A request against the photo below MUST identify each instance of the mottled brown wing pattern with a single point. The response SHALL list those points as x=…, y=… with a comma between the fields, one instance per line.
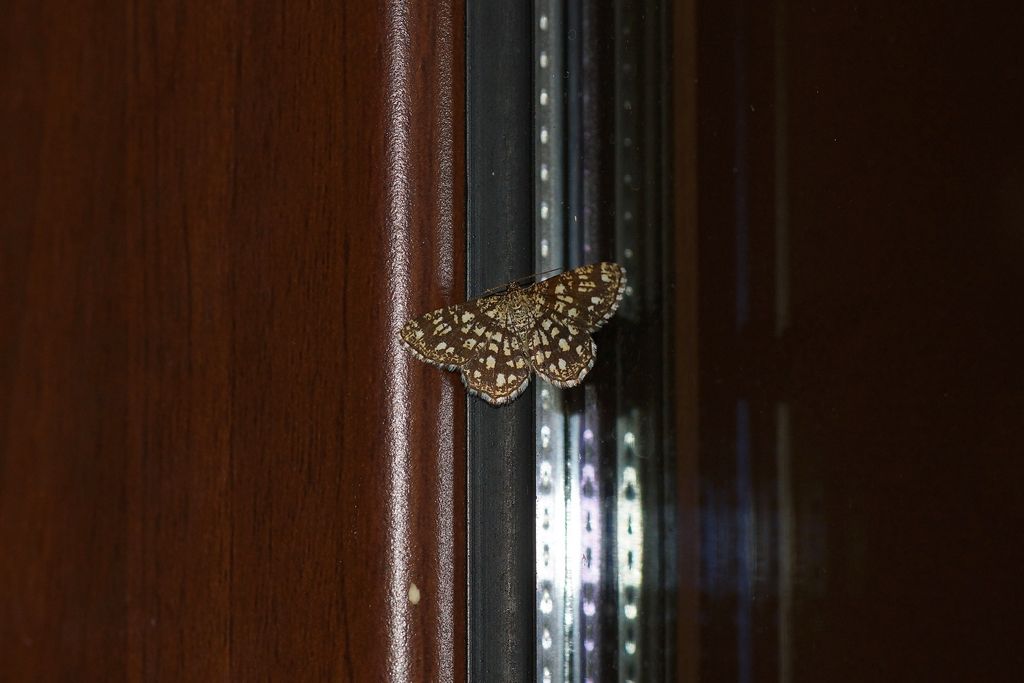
x=499, y=374
x=555, y=324
x=587, y=296
x=444, y=337
x=561, y=352
x=567, y=308
x=474, y=338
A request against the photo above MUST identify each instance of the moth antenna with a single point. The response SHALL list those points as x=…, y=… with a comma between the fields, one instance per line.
x=518, y=280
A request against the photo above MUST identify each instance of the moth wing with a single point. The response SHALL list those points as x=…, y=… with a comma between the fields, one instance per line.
x=474, y=338
x=587, y=296
x=560, y=351
x=443, y=337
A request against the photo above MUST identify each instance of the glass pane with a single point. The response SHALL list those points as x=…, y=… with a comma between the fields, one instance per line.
x=604, y=460
x=821, y=205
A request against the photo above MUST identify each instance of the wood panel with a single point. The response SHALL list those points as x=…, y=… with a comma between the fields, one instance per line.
x=215, y=462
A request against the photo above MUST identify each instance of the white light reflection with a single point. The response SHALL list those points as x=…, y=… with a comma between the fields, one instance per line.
x=629, y=537
x=554, y=606
x=629, y=524
x=398, y=197
x=587, y=498
x=551, y=536
x=591, y=557
x=574, y=548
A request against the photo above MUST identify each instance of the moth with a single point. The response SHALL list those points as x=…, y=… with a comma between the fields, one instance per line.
x=497, y=342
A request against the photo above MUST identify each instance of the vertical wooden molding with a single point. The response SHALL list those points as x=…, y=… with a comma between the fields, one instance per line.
x=424, y=458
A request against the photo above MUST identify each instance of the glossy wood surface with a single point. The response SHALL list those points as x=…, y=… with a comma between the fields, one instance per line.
x=215, y=462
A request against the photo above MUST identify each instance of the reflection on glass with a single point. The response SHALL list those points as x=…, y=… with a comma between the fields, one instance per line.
x=628, y=183
x=551, y=539
x=591, y=551
x=603, y=464
x=554, y=602
x=629, y=537
x=786, y=547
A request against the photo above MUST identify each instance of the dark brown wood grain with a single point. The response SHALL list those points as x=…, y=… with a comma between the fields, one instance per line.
x=215, y=463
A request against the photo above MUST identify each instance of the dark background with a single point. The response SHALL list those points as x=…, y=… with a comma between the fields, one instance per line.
x=874, y=152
